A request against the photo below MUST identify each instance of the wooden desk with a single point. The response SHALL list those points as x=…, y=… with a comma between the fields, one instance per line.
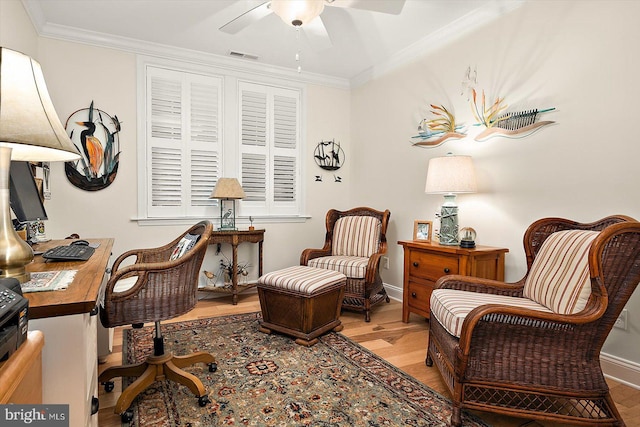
x=21, y=374
x=424, y=263
x=67, y=319
x=234, y=238
x=82, y=294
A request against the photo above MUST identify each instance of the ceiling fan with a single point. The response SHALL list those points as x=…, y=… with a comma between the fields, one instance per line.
x=302, y=14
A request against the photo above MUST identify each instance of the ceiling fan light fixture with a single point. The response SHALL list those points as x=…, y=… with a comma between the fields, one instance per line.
x=297, y=12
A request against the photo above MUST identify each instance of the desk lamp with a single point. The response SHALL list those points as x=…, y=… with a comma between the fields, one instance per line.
x=450, y=175
x=227, y=190
x=29, y=130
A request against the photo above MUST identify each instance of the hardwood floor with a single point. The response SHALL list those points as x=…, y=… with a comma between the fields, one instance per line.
x=401, y=344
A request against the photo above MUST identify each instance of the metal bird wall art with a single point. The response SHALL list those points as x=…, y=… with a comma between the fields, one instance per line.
x=329, y=155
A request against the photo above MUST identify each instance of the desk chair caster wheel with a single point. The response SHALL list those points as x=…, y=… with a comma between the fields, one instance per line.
x=108, y=386
x=126, y=416
x=203, y=401
x=213, y=367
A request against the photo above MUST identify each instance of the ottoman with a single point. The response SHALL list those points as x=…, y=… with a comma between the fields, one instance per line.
x=301, y=301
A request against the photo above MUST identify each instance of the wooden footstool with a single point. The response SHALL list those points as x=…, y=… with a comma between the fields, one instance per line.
x=301, y=301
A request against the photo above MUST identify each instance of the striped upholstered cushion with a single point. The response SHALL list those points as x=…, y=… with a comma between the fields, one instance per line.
x=351, y=266
x=450, y=306
x=356, y=236
x=559, y=277
x=302, y=279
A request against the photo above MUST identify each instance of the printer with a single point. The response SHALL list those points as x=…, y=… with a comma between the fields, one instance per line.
x=13, y=317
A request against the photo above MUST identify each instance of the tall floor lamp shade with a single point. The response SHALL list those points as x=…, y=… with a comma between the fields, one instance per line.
x=449, y=176
x=29, y=130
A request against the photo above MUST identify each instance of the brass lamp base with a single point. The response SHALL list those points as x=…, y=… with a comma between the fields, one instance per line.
x=15, y=253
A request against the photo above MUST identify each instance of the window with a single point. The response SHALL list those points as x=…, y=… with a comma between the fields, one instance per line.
x=183, y=147
x=269, y=149
x=202, y=124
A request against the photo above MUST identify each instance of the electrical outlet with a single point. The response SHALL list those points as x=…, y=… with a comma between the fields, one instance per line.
x=621, y=321
x=385, y=262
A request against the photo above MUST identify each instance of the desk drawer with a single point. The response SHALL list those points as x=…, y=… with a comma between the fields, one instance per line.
x=431, y=266
x=419, y=296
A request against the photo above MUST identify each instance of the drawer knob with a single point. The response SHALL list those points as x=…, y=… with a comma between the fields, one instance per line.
x=415, y=264
x=446, y=271
x=413, y=294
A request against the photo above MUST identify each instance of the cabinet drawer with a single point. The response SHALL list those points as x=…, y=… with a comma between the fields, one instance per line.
x=419, y=295
x=431, y=266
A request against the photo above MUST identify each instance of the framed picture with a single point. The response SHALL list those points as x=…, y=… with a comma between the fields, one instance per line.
x=422, y=230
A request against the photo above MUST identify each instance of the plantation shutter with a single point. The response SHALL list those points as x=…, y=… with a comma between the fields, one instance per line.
x=285, y=140
x=270, y=145
x=253, y=136
x=183, y=142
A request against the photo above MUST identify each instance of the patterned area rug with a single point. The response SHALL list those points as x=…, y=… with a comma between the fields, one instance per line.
x=268, y=380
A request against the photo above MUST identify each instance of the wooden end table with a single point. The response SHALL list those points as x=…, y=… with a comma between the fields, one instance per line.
x=234, y=238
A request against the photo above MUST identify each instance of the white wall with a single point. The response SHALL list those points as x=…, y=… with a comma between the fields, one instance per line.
x=16, y=31
x=580, y=57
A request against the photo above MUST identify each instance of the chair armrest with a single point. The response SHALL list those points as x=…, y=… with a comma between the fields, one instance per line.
x=309, y=254
x=140, y=268
x=147, y=255
x=475, y=284
x=501, y=319
x=123, y=257
x=373, y=268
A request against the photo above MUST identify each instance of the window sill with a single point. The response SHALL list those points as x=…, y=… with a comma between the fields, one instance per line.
x=242, y=222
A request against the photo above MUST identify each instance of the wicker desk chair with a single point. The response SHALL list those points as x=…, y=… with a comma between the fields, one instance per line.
x=523, y=358
x=354, y=244
x=160, y=285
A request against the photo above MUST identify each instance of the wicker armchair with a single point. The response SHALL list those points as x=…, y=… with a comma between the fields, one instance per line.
x=354, y=244
x=533, y=362
x=161, y=284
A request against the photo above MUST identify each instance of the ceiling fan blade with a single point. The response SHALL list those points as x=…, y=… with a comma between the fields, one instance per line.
x=246, y=19
x=317, y=34
x=393, y=7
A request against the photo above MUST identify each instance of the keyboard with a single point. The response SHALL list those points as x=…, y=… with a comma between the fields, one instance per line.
x=69, y=253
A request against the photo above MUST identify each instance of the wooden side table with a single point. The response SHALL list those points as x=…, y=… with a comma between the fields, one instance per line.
x=234, y=238
x=424, y=263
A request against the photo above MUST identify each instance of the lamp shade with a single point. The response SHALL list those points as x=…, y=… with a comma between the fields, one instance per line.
x=227, y=188
x=297, y=12
x=451, y=174
x=29, y=124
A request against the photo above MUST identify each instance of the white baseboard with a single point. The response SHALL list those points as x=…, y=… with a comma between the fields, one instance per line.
x=621, y=370
x=394, y=292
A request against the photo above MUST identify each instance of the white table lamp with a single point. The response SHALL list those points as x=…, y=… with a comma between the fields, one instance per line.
x=449, y=176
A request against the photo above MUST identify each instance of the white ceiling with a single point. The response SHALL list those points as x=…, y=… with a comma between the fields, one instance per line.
x=361, y=40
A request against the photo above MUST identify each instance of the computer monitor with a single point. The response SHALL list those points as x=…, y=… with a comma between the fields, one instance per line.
x=24, y=195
